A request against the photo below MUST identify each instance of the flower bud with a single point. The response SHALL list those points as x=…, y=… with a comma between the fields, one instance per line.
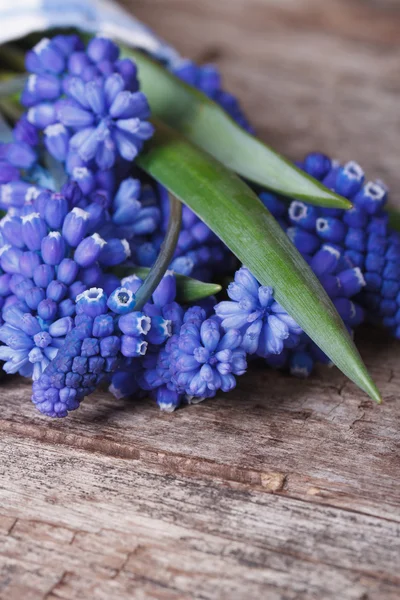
x=43, y=275
x=55, y=210
x=53, y=248
x=67, y=271
x=47, y=309
x=114, y=252
x=89, y=250
x=34, y=229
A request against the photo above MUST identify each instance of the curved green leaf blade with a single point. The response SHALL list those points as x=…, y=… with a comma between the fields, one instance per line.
x=205, y=124
x=230, y=208
x=188, y=290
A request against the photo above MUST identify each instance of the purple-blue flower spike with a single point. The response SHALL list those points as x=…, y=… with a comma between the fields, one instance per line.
x=87, y=103
x=361, y=234
x=90, y=354
x=265, y=326
x=165, y=317
x=205, y=359
x=48, y=257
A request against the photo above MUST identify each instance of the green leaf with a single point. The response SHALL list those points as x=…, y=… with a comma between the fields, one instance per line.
x=188, y=290
x=394, y=218
x=232, y=210
x=205, y=124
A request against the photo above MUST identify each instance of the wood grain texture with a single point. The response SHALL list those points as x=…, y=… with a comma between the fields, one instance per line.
x=282, y=489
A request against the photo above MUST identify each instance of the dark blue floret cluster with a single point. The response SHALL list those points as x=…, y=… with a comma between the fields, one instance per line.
x=104, y=332
x=362, y=235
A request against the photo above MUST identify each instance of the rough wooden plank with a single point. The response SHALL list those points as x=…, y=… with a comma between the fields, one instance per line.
x=167, y=532
x=319, y=440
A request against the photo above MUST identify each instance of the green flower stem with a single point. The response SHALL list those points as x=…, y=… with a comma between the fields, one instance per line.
x=164, y=258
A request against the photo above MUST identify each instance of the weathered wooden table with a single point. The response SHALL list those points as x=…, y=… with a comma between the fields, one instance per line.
x=283, y=489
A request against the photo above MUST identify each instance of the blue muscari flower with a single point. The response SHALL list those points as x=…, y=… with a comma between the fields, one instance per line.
x=265, y=326
x=91, y=353
x=164, y=317
x=207, y=79
x=29, y=342
x=16, y=158
x=88, y=103
x=133, y=210
x=49, y=256
x=362, y=234
x=204, y=358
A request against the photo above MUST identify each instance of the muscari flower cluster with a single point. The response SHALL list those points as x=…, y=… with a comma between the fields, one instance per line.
x=362, y=234
x=86, y=105
x=71, y=325
x=86, y=101
x=104, y=332
x=51, y=254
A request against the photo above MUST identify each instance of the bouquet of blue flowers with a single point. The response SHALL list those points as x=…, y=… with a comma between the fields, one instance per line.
x=132, y=186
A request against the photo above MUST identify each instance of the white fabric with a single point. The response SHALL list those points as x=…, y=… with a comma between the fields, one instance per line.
x=21, y=17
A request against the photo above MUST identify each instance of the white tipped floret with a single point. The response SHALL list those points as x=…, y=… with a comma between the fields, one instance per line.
x=6, y=193
x=334, y=251
x=298, y=371
x=42, y=45
x=166, y=328
x=98, y=240
x=55, y=234
x=142, y=348
x=194, y=399
x=353, y=170
x=91, y=295
x=375, y=190
x=130, y=279
x=79, y=212
x=32, y=81
x=30, y=217
x=6, y=219
x=31, y=194
x=359, y=275
x=126, y=247
x=55, y=129
x=321, y=225
x=167, y=407
x=144, y=325
x=4, y=248
x=116, y=392
x=297, y=210
x=80, y=173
